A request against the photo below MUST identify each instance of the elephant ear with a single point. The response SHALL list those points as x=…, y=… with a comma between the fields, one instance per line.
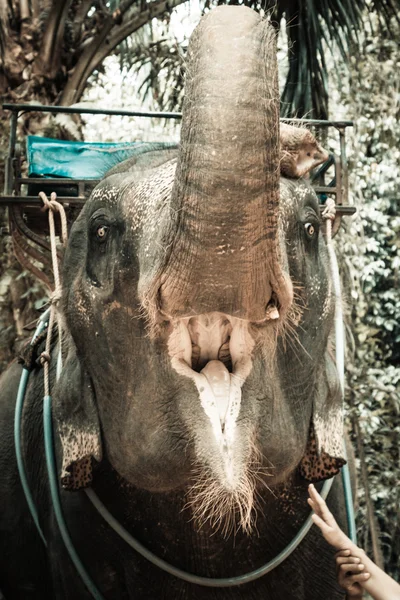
x=324, y=454
x=78, y=424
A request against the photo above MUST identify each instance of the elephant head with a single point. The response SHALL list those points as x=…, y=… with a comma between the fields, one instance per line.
x=198, y=303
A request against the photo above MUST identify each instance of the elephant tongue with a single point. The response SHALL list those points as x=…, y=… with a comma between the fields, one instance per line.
x=220, y=392
x=220, y=395
x=219, y=379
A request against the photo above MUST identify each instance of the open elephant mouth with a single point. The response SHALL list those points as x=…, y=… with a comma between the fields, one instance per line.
x=214, y=337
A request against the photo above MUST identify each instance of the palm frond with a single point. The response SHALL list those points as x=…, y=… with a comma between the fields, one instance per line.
x=313, y=27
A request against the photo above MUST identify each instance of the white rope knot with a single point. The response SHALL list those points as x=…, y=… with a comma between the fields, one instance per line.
x=44, y=358
x=55, y=207
x=49, y=204
x=329, y=211
x=56, y=296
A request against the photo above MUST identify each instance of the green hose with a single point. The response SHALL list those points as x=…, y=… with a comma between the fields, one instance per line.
x=52, y=474
x=17, y=430
x=196, y=579
x=18, y=451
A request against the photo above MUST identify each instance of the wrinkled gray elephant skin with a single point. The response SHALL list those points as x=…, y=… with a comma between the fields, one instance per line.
x=198, y=394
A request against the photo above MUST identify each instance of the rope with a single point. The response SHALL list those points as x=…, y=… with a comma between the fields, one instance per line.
x=56, y=207
x=328, y=215
x=52, y=206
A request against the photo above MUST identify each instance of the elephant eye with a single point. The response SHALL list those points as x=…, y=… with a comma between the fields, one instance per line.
x=310, y=230
x=101, y=232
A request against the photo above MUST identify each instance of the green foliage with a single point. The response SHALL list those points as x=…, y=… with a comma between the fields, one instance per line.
x=159, y=63
x=370, y=257
x=310, y=23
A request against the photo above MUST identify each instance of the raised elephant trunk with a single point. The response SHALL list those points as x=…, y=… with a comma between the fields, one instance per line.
x=225, y=256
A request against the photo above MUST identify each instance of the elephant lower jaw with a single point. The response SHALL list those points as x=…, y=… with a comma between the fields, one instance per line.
x=214, y=351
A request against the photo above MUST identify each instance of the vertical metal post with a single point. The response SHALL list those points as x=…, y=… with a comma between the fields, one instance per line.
x=348, y=496
x=343, y=160
x=8, y=178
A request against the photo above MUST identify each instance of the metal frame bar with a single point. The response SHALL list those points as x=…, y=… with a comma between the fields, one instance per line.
x=344, y=165
x=16, y=108
x=59, y=182
x=56, y=180
x=8, y=179
x=36, y=201
x=80, y=201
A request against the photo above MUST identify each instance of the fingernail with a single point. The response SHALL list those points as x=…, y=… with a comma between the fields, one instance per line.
x=361, y=567
x=366, y=575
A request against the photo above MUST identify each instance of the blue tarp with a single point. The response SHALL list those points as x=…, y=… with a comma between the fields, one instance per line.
x=80, y=160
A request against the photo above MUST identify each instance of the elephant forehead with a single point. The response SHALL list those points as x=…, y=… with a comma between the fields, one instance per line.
x=106, y=192
x=142, y=201
x=294, y=195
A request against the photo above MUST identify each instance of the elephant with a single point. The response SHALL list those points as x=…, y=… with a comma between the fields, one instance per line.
x=198, y=396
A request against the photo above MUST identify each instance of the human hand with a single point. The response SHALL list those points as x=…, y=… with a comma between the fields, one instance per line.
x=351, y=574
x=325, y=520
